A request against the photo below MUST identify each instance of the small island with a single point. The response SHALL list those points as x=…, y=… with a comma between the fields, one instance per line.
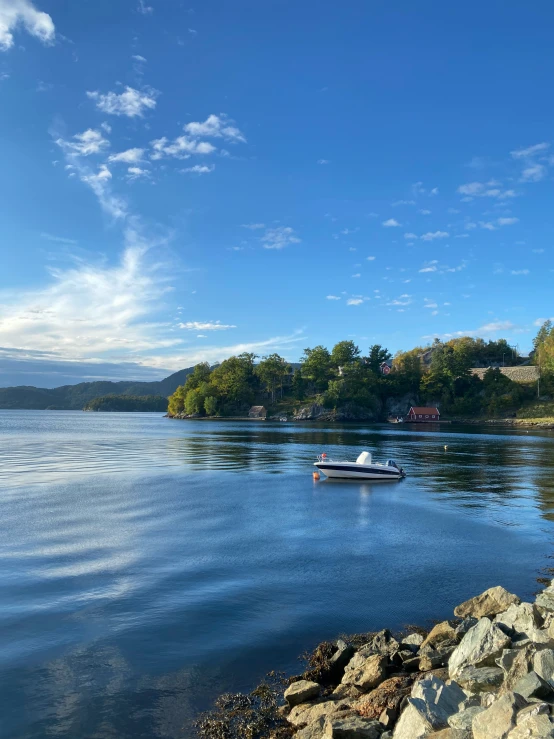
x=128, y=403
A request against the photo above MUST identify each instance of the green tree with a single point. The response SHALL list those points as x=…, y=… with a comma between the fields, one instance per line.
x=177, y=401
x=201, y=373
x=344, y=353
x=272, y=370
x=316, y=366
x=377, y=355
x=298, y=386
x=210, y=405
x=234, y=380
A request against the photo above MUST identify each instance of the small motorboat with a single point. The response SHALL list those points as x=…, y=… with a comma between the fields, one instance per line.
x=362, y=469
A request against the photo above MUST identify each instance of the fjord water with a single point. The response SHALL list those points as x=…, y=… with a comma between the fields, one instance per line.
x=147, y=565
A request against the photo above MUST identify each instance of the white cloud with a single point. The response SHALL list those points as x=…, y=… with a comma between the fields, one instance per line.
x=430, y=305
x=130, y=103
x=58, y=239
x=507, y=221
x=138, y=58
x=487, y=225
x=205, y=326
x=530, y=151
x=370, y=259
x=200, y=169
x=533, y=173
x=391, y=223
x=181, y=148
x=519, y=272
x=434, y=191
x=354, y=301
x=91, y=310
x=215, y=126
x=278, y=238
x=398, y=301
x=14, y=13
x=432, y=235
x=432, y=268
x=424, y=212
x=357, y=275
x=333, y=297
x=130, y=156
x=482, y=190
x=84, y=144
x=144, y=9
x=136, y=173
x=410, y=236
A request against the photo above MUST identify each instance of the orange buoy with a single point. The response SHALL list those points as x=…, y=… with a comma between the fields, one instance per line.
x=316, y=475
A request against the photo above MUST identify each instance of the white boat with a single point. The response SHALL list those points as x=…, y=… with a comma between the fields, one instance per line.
x=362, y=469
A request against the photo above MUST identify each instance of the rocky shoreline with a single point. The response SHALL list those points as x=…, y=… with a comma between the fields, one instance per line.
x=486, y=674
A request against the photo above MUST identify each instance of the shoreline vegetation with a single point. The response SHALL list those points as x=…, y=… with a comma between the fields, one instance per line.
x=466, y=378
x=488, y=673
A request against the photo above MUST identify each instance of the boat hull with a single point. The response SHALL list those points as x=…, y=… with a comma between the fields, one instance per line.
x=357, y=472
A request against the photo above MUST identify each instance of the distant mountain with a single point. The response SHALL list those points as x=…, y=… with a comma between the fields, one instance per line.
x=127, y=403
x=75, y=397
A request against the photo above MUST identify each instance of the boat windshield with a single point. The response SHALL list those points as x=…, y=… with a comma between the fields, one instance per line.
x=391, y=463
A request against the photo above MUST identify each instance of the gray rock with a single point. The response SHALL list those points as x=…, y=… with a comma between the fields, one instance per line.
x=412, y=642
x=411, y=665
x=545, y=600
x=430, y=660
x=353, y=727
x=516, y=663
x=312, y=731
x=381, y=643
x=342, y=656
x=428, y=709
x=533, y=686
x=443, y=698
x=464, y=719
x=480, y=679
x=301, y=691
x=492, y=601
x=520, y=620
x=529, y=724
x=465, y=626
x=543, y=664
x=498, y=720
x=386, y=735
x=451, y=734
x=388, y=717
x=479, y=648
x=365, y=673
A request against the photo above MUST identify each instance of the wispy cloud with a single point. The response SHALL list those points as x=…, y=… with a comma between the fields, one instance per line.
x=215, y=126
x=84, y=144
x=144, y=9
x=534, y=173
x=200, y=169
x=519, y=272
x=205, y=326
x=15, y=13
x=130, y=103
x=485, y=190
x=391, y=223
x=278, y=238
x=130, y=156
x=333, y=297
x=432, y=235
x=530, y=151
x=253, y=226
x=354, y=301
x=410, y=235
x=58, y=239
x=323, y=161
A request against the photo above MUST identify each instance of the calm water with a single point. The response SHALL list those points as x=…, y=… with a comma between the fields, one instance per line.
x=147, y=565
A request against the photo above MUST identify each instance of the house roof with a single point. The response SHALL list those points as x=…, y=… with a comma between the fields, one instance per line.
x=425, y=411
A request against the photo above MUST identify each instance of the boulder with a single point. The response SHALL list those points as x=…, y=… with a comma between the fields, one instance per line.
x=430, y=660
x=365, y=673
x=381, y=643
x=441, y=632
x=443, y=698
x=463, y=627
x=464, y=719
x=308, y=713
x=352, y=727
x=412, y=642
x=431, y=704
x=532, y=724
x=520, y=620
x=480, y=679
x=532, y=686
x=515, y=663
x=388, y=695
x=545, y=600
x=312, y=731
x=482, y=644
x=301, y=691
x=492, y=601
x=498, y=720
x=341, y=657
x=403, y=655
x=543, y=664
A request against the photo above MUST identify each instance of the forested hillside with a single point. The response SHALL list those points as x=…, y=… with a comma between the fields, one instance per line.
x=75, y=397
x=363, y=386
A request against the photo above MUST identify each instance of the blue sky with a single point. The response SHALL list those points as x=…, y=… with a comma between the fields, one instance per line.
x=181, y=181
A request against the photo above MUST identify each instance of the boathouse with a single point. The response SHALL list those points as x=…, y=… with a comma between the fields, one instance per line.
x=423, y=414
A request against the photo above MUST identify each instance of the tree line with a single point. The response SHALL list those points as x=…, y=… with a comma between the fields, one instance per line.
x=344, y=377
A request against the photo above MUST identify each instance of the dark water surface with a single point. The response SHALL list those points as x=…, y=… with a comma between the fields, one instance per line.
x=147, y=565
